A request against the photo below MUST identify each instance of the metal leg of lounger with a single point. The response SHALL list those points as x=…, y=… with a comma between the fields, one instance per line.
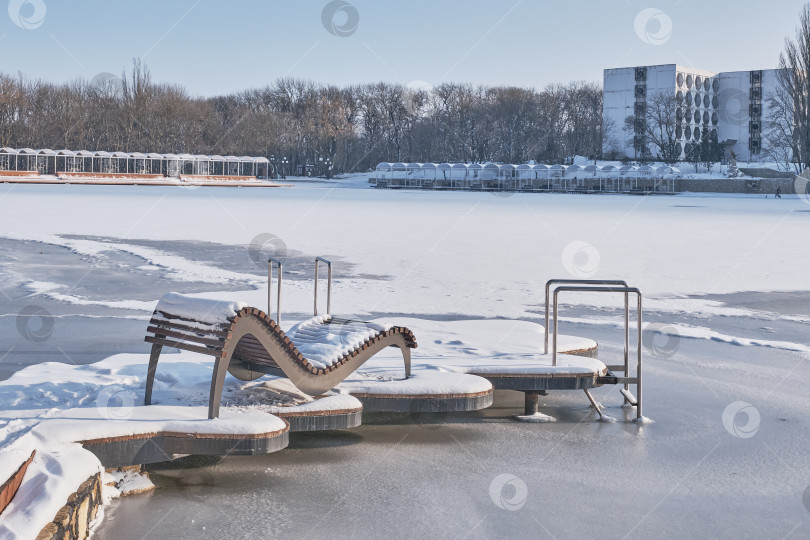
x=150, y=374
x=217, y=382
x=406, y=355
x=593, y=402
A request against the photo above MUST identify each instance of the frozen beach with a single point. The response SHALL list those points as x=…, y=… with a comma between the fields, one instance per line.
x=726, y=354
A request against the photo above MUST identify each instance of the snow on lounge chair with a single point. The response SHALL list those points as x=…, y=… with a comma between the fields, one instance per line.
x=317, y=354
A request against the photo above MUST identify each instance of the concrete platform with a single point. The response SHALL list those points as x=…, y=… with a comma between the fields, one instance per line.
x=426, y=391
x=138, y=435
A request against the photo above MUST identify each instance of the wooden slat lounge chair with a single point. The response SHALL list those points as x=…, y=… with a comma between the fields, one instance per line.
x=247, y=343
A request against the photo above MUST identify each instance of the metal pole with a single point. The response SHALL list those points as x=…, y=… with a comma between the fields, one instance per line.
x=328, y=287
x=639, y=348
x=556, y=321
x=626, y=336
x=638, y=368
x=551, y=282
x=270, y=262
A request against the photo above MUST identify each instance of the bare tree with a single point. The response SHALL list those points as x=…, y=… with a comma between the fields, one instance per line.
x=660, y=126
x=789, y=120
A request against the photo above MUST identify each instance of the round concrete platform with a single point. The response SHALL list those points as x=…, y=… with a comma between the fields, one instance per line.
x=425, y=403
x=327, y=421
x=146, y=448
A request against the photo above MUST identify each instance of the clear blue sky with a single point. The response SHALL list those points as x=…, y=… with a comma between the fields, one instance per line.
x=216, y=46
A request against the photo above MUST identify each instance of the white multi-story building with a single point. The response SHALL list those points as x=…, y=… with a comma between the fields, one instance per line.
x=730, y=106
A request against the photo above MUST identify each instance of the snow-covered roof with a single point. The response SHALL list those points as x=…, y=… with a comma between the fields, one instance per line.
x=170, y=156
x=153, y=155
x=185, y=156
x=65, y=152
x=414, y=165
x=101, y=153
x=216, y=157
x=84, y=153
x=384, y=166
x=137, y=155
x=26, y=151
x=120, y=155
x=227, y=158
x=7, y=150
x=261, y=159
x=46, y=152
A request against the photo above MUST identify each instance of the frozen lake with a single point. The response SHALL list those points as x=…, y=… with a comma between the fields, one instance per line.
x=724, y=277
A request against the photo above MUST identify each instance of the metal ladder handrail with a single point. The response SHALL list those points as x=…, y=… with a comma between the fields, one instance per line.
x=328, y=286
x=278, y=263
x=578, y=282
x=626, y=290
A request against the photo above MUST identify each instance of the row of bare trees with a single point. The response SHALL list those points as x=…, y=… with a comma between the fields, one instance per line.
x=787, y=129
x=353, y=127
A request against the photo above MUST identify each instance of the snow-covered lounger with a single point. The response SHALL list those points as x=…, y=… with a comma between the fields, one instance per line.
x=248, y=344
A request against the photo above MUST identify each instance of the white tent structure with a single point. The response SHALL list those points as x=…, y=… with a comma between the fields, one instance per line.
x=99, y=162
x=525, y=177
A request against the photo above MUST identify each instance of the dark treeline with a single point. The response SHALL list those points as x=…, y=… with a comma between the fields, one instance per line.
x=355, y=127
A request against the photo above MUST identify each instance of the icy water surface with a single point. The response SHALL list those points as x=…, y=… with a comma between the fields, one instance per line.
x=726, y=456
x=684, y=476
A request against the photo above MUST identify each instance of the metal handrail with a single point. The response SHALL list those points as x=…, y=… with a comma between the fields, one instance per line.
x=623, y=283
x=270, y=262
x=626, y=291
x=328, y=286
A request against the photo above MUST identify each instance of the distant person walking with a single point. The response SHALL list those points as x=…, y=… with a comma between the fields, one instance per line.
x=779, y=193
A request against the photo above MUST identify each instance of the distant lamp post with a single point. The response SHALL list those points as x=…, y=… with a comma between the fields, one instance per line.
x=284, y=162
x=328, y=165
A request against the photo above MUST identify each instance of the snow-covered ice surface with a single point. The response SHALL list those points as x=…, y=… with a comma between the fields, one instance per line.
x=725, y=285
